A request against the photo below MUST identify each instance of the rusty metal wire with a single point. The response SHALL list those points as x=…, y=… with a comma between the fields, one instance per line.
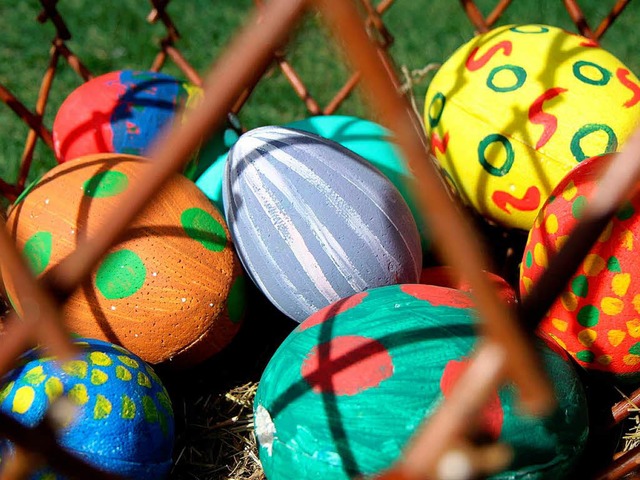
x=233, y=77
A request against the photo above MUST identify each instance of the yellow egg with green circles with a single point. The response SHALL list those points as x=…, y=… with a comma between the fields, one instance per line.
x=514, y=109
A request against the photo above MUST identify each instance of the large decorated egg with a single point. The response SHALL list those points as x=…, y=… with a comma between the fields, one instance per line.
x=169, y=290
x=596, y=316
x=123, y=420
x=119, y=112
x=313, y=222
x=348, y=388
x=366, y=138
x=514, y=109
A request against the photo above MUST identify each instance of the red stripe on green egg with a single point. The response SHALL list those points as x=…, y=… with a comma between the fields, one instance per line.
x=202, y=227
x=332, y=311
x=438, y=297
x=105, y=184
x=347, y=365
x=121, y=274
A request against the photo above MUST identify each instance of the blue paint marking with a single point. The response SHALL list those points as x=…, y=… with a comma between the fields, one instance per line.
x=149, y=103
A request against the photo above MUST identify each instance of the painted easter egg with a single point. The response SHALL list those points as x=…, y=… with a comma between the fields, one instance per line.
x=170, y=290
x=123, y=421
x=366, y=138
x=313, y=222
x=514, y=109
x=445, y=276
x=596, y=316
x=346, y=390
x=119, y=112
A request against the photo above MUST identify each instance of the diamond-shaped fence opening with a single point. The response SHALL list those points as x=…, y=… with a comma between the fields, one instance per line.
x=325, y=100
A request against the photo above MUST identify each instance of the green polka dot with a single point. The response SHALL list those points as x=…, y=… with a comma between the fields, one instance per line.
x=577, y=207
x=235, y=301
x=102, y=408
x=588, y=316
x=551, y=199
x=76, y=368
x=123, y=374
x=164, y=401
x=105, y=184
x=121, y=274
x=98, y=377
x=23, y=399
x=163, y=424
x=586, y=356
x=53, y=388
x=143, y=380
x=202, y=227
x=626, y=212
x=128, y=408
x=528, y=261
x=78, y=394
x=128, y=361
x=613, y=265
x=153, y=374
x=35, y=376
x=635, y=349
x=37, y=251
x=150, y=409
x=580, y=286
x=6, y=390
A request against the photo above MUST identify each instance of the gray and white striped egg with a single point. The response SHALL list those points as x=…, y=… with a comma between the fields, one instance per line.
x=313, y=222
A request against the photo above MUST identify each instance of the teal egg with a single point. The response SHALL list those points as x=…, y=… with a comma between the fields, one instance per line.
x=124, y=419
x=366, y=138
x=346, y=391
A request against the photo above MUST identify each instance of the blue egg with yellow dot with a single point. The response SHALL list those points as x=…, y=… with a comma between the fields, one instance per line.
x=123, y=421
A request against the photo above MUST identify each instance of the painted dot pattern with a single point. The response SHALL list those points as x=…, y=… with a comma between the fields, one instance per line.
x=177, y=248
x=136, y=415
x=511, y=130
x=121, y=274
x=597, y=317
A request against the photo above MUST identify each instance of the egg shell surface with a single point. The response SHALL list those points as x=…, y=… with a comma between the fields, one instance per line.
x=368, y=139
x=596, y=316
x=123, y=421
x=313, y=222
x=514, y=109
x=170, y=290
x=348, y=388
x=119, y=112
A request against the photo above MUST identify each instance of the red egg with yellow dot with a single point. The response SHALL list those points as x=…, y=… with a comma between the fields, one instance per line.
x=596, y=318
x=170, y=290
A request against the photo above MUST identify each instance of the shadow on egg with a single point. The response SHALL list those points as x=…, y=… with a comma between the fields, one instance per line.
x=321, y=378
x=505, y=127
x=149, y=94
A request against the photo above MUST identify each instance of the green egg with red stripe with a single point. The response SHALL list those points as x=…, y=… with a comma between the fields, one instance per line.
x=123, y=419
x=170, y=289
x=346, y=391
x=597, y=316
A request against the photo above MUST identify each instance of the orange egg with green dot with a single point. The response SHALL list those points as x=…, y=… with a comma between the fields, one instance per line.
x=597, y=316
x=170, y=290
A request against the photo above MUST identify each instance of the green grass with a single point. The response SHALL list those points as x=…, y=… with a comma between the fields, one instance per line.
x=115, y=35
